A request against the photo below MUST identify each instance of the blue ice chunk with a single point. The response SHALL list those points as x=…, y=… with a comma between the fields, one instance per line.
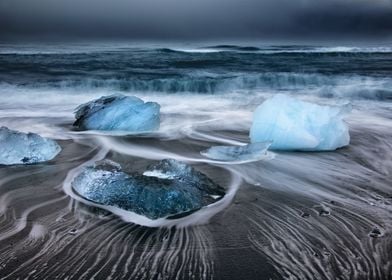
x=246, y=153
x=167, y=189
x=292, y=124
x=118, y=113
x=25, y=148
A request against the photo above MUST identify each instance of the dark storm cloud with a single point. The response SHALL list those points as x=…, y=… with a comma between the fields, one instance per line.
x=193, y=19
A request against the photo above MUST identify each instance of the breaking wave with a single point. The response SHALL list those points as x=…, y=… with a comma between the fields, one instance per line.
x=351, y=87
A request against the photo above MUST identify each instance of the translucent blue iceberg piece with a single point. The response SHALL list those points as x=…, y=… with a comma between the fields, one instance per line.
x=25, y=148
x=118, y=113
x=166, y=189
x=292, y=124
x=246, y=153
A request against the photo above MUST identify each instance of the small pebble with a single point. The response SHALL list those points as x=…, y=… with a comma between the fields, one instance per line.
x=324, y=213
x=375, y=233
x=326, y=252
x=73, y=231
x=305, y=215
x=322, y=210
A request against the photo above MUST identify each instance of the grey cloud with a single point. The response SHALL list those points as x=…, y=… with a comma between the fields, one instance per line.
x=197, y=19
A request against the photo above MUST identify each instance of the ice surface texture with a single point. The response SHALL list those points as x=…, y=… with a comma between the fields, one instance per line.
x=168, y=188
x=249, y=152
x=292, y=124
x=118, y=112
x=25, y=148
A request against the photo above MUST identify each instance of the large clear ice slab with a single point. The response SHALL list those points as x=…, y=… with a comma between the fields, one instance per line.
x=118, y=113
x=292, y=124
x=167, y=189
x=246, y=153
x=25, y=148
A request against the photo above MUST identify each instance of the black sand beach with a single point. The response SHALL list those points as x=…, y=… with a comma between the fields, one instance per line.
x=296, y=215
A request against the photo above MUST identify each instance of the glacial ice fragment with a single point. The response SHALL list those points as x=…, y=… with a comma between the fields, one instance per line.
x=25, y=148
x=118, y=113
x=249, y=152
x=167, y=189
x=292, y=124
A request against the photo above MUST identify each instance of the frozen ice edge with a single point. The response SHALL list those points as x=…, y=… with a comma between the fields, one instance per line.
x=240, y=153
x=19, y=148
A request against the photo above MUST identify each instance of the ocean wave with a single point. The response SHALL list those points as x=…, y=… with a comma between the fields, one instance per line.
x=341, y=49
x=356, y=87
x=88, y=48
x=280, y=49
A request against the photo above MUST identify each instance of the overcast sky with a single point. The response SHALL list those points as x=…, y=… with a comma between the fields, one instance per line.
x=198, y=19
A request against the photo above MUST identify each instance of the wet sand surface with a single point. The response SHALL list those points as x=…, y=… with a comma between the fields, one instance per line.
x=323, y=215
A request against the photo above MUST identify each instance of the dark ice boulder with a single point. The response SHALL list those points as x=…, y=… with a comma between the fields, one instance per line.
x=25, y=148
x=166, y=189
x=118, y=113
